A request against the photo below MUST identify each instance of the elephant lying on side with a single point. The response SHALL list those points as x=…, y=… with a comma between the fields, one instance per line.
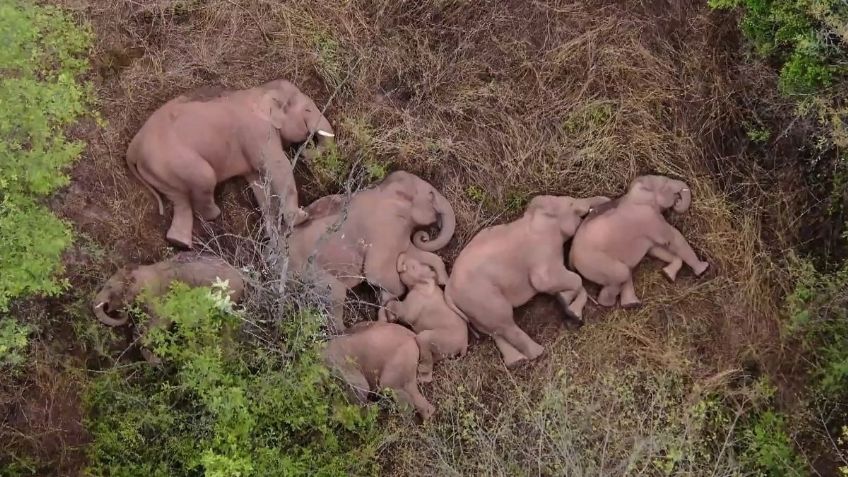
x=372, y=356
x=611, y=242
x=506, y=265
x=363, y=240
x=441, y=333
x=197, y=140
x=130, y=281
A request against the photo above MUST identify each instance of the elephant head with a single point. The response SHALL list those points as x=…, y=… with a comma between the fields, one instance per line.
x=428, y=207
x=563, y=212
x=662, y=192
x=112, y=297
x=413, y=272
x=294, y=114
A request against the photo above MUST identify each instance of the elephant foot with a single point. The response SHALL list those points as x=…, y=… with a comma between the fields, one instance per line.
x=210, y=213
x=606, y=301
x=512, y=362
x=425, y=377
x=670, y=275
x=300, y=217
x=574, y=323
x=536, y=351
x=177, y=240
x=631, y=305
x=701, y=269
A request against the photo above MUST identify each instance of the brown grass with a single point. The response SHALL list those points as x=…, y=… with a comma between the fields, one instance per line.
x=493, y=102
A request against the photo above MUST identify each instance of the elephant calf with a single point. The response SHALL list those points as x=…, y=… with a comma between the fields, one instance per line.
x=130, y=281
x=506, y=265
x=610, y=243
x=441, y=333
x=373, y=355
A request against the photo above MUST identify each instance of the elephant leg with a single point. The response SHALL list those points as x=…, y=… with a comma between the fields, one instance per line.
x=386, y=298
x=410, y=394
x=358, y=384
x=680, y=247
x=608, y=295
x=562, y=282
x=574, y=302
x=511, y=356
x=202, y=187
x=401, y=372
x=521, y=341
x=426, y=347
x=674, y=262
x=179, y=233
x=279, y=171
x=628, y=295
x=338, y=293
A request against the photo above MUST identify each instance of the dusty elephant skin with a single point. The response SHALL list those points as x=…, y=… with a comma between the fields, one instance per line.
x=205, y=137
x=441, y=333
x=363, y=240
x=607, y=248
x=131, y=281
x=504, y=266
x=374, y=355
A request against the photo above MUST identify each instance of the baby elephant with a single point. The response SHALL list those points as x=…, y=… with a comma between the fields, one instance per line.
x=373, y=355
x=441, y=333
x=187, y=267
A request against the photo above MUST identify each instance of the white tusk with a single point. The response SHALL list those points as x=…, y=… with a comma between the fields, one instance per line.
x=325, y=133
x=684, y=190
x=100, y=305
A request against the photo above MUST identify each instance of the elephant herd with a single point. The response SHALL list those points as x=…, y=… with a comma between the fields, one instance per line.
x=378, y=235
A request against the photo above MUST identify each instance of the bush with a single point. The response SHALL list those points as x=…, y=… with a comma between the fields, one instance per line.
x=13, y=343
x=42, y=56
x=768, y=448
x=224, y=406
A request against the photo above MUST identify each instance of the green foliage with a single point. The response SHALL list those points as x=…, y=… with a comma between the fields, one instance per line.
x=798, y=34
x=224, y=406
x=818, y=316
x=13, y=342
x=44, y=52
x=768, y=448
x=757, y=133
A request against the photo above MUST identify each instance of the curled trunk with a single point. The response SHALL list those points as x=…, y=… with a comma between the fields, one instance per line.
x=100, y=311
x=682, y=203
x=446, y=223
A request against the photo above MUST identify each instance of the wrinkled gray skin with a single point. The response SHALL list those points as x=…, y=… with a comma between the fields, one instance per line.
x=610, y=243
x=441, y=333
x=362, y=241
x=129, y=282
x=197, y=140
x=504, y=266
x=371, y=356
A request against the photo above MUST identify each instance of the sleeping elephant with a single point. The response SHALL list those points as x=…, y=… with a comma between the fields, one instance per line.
x=197, y=140
x=504, y=266
x=371, y=356
x=154, y=280
x=363, y=240
x=611, y=242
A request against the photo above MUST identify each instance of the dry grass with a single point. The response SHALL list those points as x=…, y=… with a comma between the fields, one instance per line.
x=493, y=102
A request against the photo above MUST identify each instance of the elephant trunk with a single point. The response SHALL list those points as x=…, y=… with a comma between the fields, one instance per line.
x=101, y=308
x=684, y=199
x=447, y=225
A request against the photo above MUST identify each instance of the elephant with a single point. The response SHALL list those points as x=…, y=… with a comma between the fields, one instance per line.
x=440, y=332
x=506, y=265
x=375, y=355
x=197, y=140
x=154, y=280
x=362, y=241
x=609, y=244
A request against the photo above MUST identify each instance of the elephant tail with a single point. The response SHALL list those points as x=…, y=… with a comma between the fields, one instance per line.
x=134, y=169
x=455, y=309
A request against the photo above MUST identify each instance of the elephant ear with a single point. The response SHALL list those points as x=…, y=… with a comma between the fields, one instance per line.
x=401, y=262
x=272, y=109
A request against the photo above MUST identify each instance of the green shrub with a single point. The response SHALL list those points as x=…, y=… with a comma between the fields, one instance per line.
x=43, y=54
x=797, y=33
x=768, y=448
x=222, y=405
x=13, y=343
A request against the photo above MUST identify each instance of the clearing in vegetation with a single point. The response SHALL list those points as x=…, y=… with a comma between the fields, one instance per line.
x=743, y=372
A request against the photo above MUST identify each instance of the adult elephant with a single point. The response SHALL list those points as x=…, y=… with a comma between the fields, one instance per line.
x=506, y=265
x=362, y=240
x=614, y=239
x=197, y=140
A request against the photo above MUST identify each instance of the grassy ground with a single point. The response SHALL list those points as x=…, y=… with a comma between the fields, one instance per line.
x=493, y=102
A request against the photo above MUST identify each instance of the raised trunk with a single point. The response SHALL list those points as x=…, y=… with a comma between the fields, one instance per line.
x=447, y=225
